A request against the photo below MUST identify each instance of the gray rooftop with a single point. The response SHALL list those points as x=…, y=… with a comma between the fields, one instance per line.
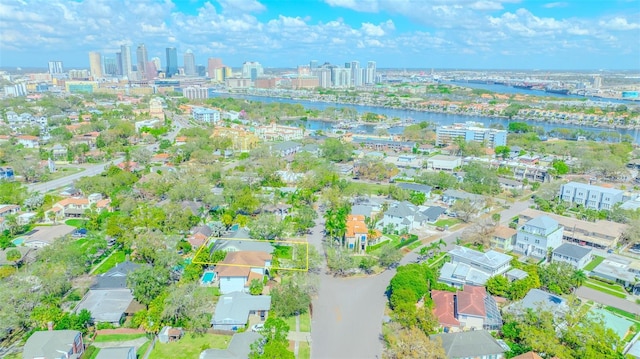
x=48, y=344
x=116, y=277
x=362, y=210
x=462, y=195
x=115, y=353
x=615, y=267
x=491, y=258
x=432, y=213
x=539, y=299
x=234, y=308
x=106, y=305
x=572, y=251
x=238, y=348
x=516, y=273
x=472, y=344
x=241, y=244
x=544, y=222
x=462, y=273
x=402, y=210
x=591, y=187
x=415, y=187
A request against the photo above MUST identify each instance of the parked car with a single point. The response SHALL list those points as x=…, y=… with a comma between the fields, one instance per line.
x=257, y=327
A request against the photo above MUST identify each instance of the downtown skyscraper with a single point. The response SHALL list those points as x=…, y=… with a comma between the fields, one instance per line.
x=125, y=61
x=95, y=64
x=189, y=63
x=55, y=67
x=141, y=61
x=172, y=62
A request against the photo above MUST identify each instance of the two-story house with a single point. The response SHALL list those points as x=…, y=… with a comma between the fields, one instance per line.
x=357, y=233
x=54, y=344
x=403, y=216
x=503, y=238
x=590, y=196
x=76, y=207
x=537, y=236
x=472, y=267
x=238, y=269
x=469, y=309
x=476, y=344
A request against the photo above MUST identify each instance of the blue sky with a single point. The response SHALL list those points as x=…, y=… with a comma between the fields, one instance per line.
x=464, y=34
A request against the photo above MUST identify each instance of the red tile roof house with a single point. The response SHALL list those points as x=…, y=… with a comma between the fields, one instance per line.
x=469, y=309
x=238, y=269
x=75, y=207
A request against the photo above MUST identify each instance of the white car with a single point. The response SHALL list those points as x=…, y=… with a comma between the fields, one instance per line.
x=257, y=327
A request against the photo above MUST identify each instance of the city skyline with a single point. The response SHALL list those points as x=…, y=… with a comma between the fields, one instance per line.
x=492, y=34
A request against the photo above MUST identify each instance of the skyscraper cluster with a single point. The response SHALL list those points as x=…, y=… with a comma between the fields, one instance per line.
x=351, y=75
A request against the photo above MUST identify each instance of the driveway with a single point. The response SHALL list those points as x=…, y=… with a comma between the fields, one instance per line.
x=347, y=314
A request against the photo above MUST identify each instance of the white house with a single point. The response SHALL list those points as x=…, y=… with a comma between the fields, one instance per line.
x=403, y=216
x=472, y=267
x=443, y=163
x=537, y=235
x=577, y=256
x=238, y=269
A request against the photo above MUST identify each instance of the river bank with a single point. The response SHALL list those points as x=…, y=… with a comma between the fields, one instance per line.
x=552, y=117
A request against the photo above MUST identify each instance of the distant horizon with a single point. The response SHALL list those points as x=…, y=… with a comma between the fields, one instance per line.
x=459, y=34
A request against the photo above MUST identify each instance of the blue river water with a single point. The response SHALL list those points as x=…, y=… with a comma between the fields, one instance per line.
x=418, y=116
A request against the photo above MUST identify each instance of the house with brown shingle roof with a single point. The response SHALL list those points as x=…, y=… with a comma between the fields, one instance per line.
x=238, y=269
x=468, y=309
x=356, y=236
x=503, y=238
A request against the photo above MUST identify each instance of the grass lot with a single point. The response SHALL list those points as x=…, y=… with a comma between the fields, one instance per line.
x=365, y=188
x=78, y=223
x=605, y=290
x=117, y=337
x=190, y=346
x=614, y=287
x=304, y=351
x=447, y=222
x=63, y=172
x=210, y=292
x=143, y=349
x=115, y=258
x=305, y=323
x=594, y=263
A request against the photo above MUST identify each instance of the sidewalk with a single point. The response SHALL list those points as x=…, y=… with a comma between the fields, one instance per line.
x=297, y=336
x=606, y=299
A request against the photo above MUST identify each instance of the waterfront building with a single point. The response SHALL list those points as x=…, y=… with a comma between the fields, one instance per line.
x=195, y=92
x=214, y=63
x=470, y=131
x=590, y=196
x=275, y=132
x=142, y=59
x=95, y=64
x=341, y=77
x=252, y=70
x=55, y=67
x=323, y=74
x=241, y=140
x=152, y=70
x=172, y=62
x=189, y=63
x=370, y=73
x=356, y=74
x=110, y=66
x=205, y=115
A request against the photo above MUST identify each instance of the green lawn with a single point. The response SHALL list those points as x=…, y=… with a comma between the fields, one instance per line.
x=604, y=290
x=437, y=259
x=304, y=351
x=447, y=222
x=305, y=322
x=594, y=263
x=415, y=245
x=614, y=287
x=190, y=346
x=284, y=252
x=117, y=337
x=78, y=223
x=115, y=258
x=623, y=313
x=365, y=188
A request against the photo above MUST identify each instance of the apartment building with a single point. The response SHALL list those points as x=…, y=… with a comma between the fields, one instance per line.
x=470, y=131
x=590, y=196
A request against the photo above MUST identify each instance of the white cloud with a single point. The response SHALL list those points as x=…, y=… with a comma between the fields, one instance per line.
x=619, y=24
x=241, y=6
x=358, y=5
x=552, y=5
x=370, y=29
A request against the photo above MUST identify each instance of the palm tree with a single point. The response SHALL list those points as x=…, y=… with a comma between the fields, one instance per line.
x=579, y=277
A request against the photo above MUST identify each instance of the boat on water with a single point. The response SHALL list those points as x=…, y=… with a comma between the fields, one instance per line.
x=345, y=125
x=560, y=91
x=382, y=126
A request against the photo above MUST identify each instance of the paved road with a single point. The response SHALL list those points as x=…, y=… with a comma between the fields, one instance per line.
x=606, y=299
x=347, y=314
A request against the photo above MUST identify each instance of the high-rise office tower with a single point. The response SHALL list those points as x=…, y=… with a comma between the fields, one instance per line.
x=370, y=77
x=127, y=68
x=201, y=70
x=110, y=66
x=152, y=70
x=95, y=64
x=55, y=67
x=141, y=61
x=313, y=64
x=252, y=70
x=189, y=63
x=356, y=74
x=214, y=63
x=341, y=77
x=156, y=61
x=119, y=63
x=172, y=62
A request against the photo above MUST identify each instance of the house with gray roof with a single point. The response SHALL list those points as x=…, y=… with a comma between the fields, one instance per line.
x=618, y=269
x=286, y=148
x=239, y=347
x=116, y=277
x=450, y=197
x=537, y=235
x=240, y=241
x=233, y=310
x=478, y=344
x=577, y=256
x=433, y=213
x=106, y=305
x=416, y=187
x=537, y=299
x=403, y=216
x=468, y=266
x=54, y=344
x=117, y=353
x=590, y=196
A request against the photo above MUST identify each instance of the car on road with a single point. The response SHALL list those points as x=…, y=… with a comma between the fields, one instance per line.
x=257, y=327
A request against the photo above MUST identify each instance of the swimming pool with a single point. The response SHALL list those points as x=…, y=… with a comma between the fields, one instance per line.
x=208, y=277
x=18, y=241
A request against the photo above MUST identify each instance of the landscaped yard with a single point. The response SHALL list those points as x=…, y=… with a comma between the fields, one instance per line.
x=614, y=287
x=605, y=290
x=78, y=223
x=305, y=323
x=115, y=258
x=447, y=222
x=594, y=263
x=117, y=337
x=190, y=346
